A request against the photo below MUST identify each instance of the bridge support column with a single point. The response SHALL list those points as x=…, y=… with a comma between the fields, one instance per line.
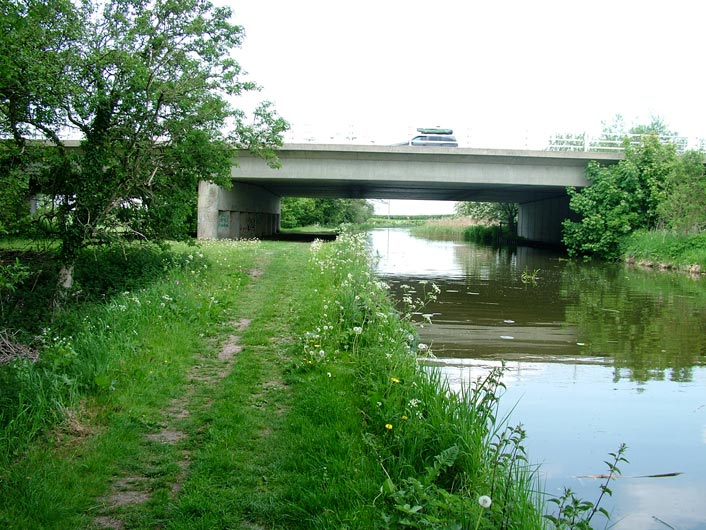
x=243, y=212
x=541, y=220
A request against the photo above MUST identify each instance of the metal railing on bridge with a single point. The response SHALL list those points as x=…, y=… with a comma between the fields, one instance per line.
x=482, y=139
x=585, y=142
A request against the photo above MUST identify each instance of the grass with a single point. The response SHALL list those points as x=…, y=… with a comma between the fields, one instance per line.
x=661, y=247
x=447, y=228
x=255, y=385
x=316, y=228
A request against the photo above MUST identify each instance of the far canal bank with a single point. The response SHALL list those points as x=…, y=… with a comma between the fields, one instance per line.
x=596, y=355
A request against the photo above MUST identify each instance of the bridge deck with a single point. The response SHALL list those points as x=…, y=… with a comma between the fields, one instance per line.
x=407, y=172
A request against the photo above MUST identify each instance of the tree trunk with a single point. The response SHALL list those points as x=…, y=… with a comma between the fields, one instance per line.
x=64, y=285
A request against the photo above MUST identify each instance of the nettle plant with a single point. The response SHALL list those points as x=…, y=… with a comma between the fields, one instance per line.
x=574, y=513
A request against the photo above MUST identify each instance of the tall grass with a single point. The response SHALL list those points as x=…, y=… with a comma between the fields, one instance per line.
x=97, y=346
x=666, y=247
x=431, y=452
x=486, y=234
x=447, y=228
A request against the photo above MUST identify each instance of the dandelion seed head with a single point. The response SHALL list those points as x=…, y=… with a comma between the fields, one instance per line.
x=485, y=501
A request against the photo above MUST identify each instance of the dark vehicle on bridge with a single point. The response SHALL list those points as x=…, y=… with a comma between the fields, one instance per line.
x=434, y=137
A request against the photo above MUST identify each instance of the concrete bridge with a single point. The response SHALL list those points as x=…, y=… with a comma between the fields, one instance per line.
x=537, y=180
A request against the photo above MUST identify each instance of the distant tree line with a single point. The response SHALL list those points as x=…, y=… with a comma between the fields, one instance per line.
x=301, y=211
x=504, y=213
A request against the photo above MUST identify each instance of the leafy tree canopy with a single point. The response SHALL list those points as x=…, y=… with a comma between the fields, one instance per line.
x=684, y=206
x=301, y=211
x=147, y=87
x=621, y=198
x=502, y=212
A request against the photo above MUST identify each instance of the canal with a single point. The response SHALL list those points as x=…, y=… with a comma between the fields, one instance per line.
x=595, y=356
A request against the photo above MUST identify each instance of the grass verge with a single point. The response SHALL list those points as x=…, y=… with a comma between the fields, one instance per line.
x=666, y=249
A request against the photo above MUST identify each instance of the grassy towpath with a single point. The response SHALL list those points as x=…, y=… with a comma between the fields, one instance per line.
x=225, y=433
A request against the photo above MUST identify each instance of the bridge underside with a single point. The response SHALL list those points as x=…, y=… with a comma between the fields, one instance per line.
x=535, y=180
x=407, y=190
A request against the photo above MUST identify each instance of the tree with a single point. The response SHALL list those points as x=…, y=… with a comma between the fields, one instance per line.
x=621, y=198
x=302, y=211
x=502, y=212
x=148, y=87
x=35, y=48
x=684, y=205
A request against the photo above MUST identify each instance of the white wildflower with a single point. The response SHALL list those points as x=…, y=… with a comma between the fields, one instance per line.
x=485, y=501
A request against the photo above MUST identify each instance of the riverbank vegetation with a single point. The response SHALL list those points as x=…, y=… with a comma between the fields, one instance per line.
x=666, y=249
x=648, y=208
x=444, y=228
x=655, y=189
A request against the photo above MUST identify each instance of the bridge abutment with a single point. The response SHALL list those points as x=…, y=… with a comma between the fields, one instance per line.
x=541, y=220
x=245, y=211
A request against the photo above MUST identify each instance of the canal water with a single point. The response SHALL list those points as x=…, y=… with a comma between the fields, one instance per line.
x=595, y=356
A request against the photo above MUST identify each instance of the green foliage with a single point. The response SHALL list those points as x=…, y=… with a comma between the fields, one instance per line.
x=621, y=198
x=11, y=278
x=300, y=211
x=503, y=212
x=529, y=277
x=147, y=86
x=35, y=46
x=654, y=186
x=11, y=275
x=665, y=247
x=434, y=445
x=100, y=272
x=574, y=513
x=87, y=348
x=486, y=235
x=684, y=206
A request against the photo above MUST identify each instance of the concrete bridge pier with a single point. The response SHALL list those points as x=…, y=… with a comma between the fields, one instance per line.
x=245, y=211
x=541, y=220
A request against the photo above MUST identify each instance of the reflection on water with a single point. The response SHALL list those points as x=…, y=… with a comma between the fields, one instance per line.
x=595, y=356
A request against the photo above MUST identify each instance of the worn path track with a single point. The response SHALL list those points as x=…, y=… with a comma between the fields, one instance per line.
x=228, y=416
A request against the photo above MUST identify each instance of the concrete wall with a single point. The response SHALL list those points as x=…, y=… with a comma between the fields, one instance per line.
x=243, y=212
x=541, y=220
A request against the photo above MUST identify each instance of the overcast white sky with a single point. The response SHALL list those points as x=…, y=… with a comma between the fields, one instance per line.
x=501, y=73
